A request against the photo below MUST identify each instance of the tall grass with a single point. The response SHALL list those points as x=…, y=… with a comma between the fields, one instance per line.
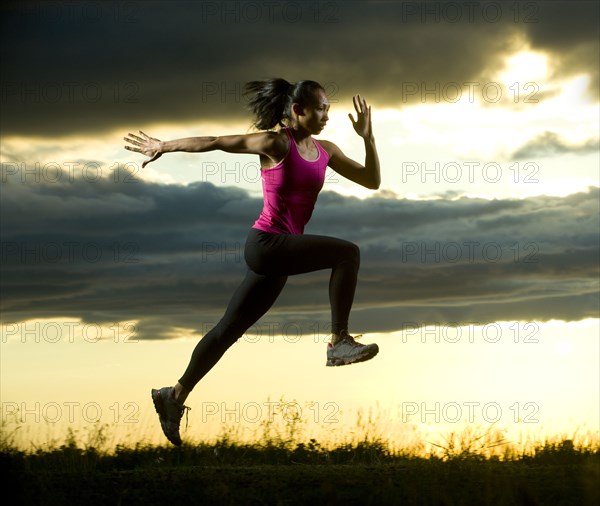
x=290, y=442
x=285, y=463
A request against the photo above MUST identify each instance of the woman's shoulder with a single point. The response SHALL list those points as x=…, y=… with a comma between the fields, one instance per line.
x=328, y=146
x=277, y=146
x=280, y=140
x=274, y=141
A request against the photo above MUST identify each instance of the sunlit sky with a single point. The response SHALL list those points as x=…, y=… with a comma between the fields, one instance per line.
x=479, y=253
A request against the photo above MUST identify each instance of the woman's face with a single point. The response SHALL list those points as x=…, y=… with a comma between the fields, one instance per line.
x=313, y=116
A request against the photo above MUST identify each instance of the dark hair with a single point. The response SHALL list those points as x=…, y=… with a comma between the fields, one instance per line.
x=273, y=98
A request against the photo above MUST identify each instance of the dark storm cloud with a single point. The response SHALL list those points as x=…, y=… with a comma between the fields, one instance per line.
x=171, y=256
x=84, y=67
x=550, y=143
x=570, y=32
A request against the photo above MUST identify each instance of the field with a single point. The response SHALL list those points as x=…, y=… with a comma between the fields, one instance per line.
x=468, y=469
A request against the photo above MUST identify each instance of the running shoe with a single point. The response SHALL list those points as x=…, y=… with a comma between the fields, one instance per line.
x=347, y=351
x=169, y=413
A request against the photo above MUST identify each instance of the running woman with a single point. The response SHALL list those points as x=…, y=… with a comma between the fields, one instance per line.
x=293, y=168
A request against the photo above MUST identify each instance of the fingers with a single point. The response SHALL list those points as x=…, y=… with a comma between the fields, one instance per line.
x=133, y=142
x=360, y=104
x=142, y=145
x=359, y=108
x=134, y=139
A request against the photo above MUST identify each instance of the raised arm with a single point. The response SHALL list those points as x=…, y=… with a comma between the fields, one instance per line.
x=261, y=143
x=367, y=175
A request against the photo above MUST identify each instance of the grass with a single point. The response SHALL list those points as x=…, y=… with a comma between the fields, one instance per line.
x=472, y=467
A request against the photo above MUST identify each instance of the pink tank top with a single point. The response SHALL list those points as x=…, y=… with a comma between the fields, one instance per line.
x=290, y=190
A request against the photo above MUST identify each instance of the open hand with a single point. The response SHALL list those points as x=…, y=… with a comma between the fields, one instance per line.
x=362, y=125
x=147, y=146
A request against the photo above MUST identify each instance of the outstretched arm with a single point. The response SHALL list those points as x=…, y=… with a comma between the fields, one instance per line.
x=263, y=143
x=367, y=175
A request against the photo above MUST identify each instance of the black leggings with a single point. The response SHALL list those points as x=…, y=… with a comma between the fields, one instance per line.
x=271, y=258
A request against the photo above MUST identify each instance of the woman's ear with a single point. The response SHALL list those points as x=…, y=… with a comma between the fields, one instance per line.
x=297, y=109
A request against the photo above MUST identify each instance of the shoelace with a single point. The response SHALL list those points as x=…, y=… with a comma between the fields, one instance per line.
x=186, y=409
x=351, y=339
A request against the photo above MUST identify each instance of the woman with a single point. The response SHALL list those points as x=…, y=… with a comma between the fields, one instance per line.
x=293, y=170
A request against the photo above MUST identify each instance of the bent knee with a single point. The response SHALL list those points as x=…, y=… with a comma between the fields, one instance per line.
x=352, y=253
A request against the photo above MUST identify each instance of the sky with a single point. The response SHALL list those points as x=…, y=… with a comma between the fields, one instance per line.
x=479, y=252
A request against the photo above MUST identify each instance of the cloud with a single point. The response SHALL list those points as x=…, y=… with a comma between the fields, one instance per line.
x=100, y=67
x=170, y=256
x=569, y=32
x=550, y=143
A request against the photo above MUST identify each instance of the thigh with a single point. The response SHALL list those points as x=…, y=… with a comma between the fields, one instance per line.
x=252, y=299
x=287, y=254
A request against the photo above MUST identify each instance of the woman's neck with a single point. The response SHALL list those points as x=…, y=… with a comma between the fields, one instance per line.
x=300, y=135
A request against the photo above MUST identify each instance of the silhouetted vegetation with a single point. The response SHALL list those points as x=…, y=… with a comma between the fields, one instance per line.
x=465, y=468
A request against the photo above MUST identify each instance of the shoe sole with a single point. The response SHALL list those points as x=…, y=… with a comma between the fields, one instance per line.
x=340, y=361
x=159, y=407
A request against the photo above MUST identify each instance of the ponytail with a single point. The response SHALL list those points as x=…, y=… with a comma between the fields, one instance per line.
x=272, y=99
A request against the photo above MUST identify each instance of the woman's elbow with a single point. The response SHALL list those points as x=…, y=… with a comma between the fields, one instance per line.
x=374, y=185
